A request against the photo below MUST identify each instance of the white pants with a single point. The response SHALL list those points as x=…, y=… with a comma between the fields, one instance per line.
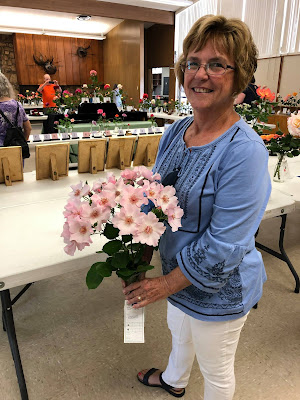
x=214, y=344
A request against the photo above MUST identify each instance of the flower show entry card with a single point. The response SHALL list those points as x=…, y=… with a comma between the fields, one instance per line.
x=107, y=133
x=65, y=136
x=47, y=137
x=86, y=135
x=36, y=138
x=54, y=136
x=97, y=135
x=157, y=129
x=135, y=132
x=142, y=131
x=134, y=321
x=74, y=135
x=121, y=132
x=150, y=131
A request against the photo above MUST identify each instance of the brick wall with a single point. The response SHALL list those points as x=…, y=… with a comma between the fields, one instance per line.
x=7, y=59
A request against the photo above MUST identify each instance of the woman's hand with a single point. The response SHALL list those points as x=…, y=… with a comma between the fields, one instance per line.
x=147, y=291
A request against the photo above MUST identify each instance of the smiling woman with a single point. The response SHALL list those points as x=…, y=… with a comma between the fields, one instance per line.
x=212, y=273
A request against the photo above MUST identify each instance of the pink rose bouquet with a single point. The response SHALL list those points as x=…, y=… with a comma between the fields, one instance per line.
x=131, y=212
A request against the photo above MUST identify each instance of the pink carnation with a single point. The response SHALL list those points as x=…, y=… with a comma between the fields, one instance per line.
x=93, y=72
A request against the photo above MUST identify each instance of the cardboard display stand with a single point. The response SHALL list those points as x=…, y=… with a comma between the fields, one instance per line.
x=146, y=150
x=11, y=165
x=52, y=161
x=91, y=155
x=120, y=152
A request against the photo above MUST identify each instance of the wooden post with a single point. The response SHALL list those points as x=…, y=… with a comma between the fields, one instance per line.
x=122, y=154
x=53, y=167
x=93, y=160
x=147, y=160
x=6, y=171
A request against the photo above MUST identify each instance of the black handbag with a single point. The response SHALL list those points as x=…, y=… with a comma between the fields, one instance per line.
x=15, y=136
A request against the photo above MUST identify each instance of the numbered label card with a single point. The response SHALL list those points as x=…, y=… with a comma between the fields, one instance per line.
x=150, y=130
x=142, y=131
x=74, y=135
x=121, y=132
x=65, y=136
x=47, y=137
x=107, y=133
x=86, y=135
x=36, y=138
x=97, y=135
x=134, y=322
x=54, y=136
x=135, y=132
x=157, y=129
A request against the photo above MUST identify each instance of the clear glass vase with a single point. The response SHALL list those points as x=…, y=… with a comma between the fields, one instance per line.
x=281, y=170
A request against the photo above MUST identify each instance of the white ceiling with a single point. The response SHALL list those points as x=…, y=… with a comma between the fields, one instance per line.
x=25, y=20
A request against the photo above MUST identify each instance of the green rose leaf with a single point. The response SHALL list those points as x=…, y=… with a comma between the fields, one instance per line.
x=120, y=260
x=112, y=247
x=93, y=278
x=126, y=238
x=103, y=268
x=125, y=273
x=142, y=268
x=110, y=232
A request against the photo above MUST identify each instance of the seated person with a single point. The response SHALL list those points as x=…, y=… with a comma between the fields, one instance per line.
x=248, y=95
x=48, y=89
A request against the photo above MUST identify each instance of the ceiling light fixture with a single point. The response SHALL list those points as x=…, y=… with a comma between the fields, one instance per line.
x=181, y=3
x=83, y=17
x=52, y=33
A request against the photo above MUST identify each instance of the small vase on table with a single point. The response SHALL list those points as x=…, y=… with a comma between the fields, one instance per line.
x=281, y=171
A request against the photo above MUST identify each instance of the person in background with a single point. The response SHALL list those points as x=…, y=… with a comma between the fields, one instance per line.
x=10, y=107
x=248, y=95
x=48, y=90
x=212, y=272
x=117, y=96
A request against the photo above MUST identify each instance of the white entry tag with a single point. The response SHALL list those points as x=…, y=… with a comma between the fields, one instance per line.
x=65, y=136
x=54, y=136
x=74, y=135
x=142, y=131
x=135, y=132
x=47, y=137
x=134, y=322
x=121, y=132
x=36, y=138
x=158, y=129
x=150, y=131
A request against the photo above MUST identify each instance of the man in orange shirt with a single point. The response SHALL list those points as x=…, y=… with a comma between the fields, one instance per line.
x=48, y=89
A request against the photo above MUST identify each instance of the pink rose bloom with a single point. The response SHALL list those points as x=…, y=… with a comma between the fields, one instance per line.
x=104, y=115
x=286, y=97
x=293, y=123
x=67, y=115
x=100, y=111
x=111, y=178
x=134, y=196
x=95, y=214
x=98, y=185
x=66, y=232
x=104, y=199
x=80, y=190
x=79, y=91
x=94, y=123
x=129, y=175
x=107, y=86
x=72, y=119
x=127, y=220
x=152, y=190
x=167, y=198
x=56, y=122
x=93, y=72
x=124, y=115
x=66, y=92
x=150, y=230
x=80, y=230
x=174, y=217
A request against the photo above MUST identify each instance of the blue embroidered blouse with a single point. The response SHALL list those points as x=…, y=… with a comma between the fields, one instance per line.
x=223, y=188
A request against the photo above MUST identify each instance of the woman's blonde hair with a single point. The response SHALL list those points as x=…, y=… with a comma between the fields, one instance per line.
x=229, y=36
x=6, y=89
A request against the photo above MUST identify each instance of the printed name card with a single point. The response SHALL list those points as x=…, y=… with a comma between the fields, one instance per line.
x=36, y=138
x=47, y=137
x=157, y=129
x=86, y=135
x=74, y=135
x=121, y=132
x=107, y=133
x=134, y=321
x=65, y=136
x=97, y=135
x=142, y=131
x=135, y=132
x=150, y=130
x=54, y=136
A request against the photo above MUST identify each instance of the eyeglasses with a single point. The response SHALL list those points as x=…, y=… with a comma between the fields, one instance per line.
x=212, y=68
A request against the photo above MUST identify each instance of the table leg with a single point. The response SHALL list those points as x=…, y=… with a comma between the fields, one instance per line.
x=282, y=255
x=9, y=325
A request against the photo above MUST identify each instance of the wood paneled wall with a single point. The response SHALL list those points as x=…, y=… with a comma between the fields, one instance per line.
x=71, y=69
x=123, y=54
x=159, y=52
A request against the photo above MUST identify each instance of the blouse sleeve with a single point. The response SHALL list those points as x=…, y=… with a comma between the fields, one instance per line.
x=22, y=113
x=242, y=190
